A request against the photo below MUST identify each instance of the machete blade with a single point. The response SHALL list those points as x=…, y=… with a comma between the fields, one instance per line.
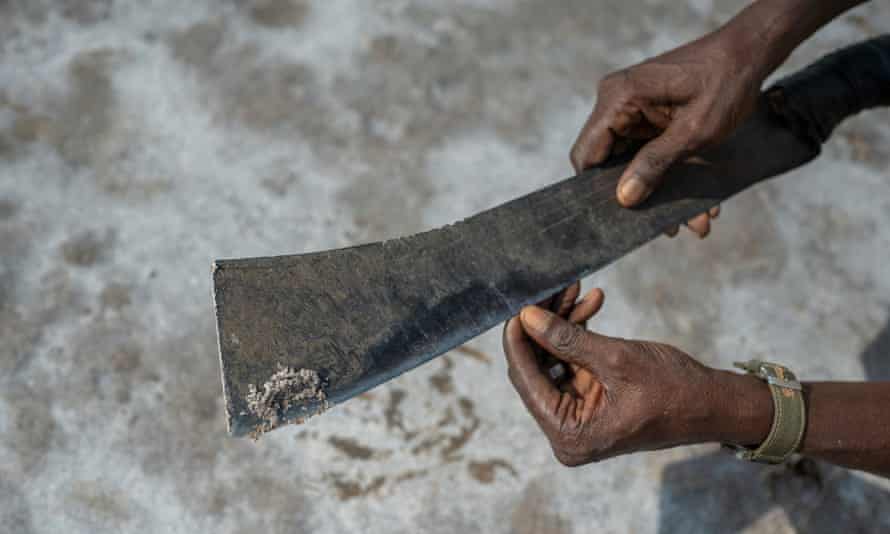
x=360, y=316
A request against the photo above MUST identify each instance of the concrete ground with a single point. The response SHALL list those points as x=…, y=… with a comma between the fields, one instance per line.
x=141, y=140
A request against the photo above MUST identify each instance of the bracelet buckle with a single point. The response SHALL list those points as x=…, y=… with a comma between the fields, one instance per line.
x=789, y=414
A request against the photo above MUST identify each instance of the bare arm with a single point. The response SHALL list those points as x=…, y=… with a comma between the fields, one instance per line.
x=848, y=423
x=767, y=31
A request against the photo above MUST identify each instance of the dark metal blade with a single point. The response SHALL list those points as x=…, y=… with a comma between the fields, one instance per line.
x=362, y=315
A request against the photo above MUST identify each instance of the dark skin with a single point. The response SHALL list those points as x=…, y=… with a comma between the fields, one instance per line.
x=619, y=396
x=694, y=96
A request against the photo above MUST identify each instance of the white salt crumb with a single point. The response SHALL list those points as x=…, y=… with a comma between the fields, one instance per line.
x=284, y=388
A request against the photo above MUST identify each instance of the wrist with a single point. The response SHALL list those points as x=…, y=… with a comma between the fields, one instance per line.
x=765, y=33
x=742, y=409
x=751, y=44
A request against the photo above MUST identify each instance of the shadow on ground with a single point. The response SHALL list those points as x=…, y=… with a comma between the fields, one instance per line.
x=717, y=493
x=876, y=356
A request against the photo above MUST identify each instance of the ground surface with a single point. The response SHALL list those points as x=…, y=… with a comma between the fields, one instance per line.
x=141, y=140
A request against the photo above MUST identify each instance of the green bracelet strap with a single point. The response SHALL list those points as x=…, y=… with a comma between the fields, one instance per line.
x=789, y=417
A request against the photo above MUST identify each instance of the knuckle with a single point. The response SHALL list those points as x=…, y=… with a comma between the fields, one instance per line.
x=607, y=81
x=576, y=156
x=695, y=139
x=566, y=338
x=617, y=82
x=565, y=458
x=655, y=161
x=614, y=359
x=696, y=132
x=694, y=125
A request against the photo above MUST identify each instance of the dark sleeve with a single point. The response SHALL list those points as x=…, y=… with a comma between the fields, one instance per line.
x=843, y=83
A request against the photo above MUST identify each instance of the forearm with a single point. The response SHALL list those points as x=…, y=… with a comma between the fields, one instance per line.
x=767, y=31
x=848, y=423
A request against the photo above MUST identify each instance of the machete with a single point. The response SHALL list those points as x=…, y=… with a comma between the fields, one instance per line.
x=299, y=333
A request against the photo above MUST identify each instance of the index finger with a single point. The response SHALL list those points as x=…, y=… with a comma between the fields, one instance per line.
x=537, y=392
x=594, y=143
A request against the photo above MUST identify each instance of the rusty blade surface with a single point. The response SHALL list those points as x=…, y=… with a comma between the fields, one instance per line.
x=360, y=316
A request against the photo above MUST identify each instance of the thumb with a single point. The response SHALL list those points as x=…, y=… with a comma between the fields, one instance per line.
x=647, y=169
x=563, y=339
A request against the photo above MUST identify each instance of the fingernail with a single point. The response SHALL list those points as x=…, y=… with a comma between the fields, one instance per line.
x=535, y=318
x=633, y=191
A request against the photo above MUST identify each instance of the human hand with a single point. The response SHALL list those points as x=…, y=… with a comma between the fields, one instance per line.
x=566, y=305
x=623, y=396
x=682, y=101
